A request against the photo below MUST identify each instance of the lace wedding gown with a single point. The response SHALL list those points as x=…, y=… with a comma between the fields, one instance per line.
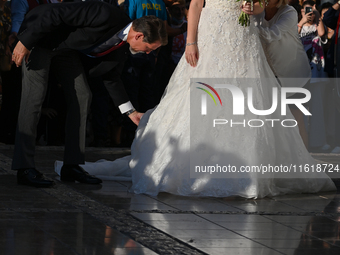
x=160, y=153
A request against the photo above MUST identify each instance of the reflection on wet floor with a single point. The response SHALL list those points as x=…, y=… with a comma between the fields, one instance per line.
x=34, y=222
x=237, y=231
x=62, y=233
x=280, y=225
x=258, y=234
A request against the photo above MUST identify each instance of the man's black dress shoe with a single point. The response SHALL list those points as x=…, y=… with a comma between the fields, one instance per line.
x=33, y=177
x=71, y=173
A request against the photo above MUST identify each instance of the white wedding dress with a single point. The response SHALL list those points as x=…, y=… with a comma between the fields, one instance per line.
x=161, y=151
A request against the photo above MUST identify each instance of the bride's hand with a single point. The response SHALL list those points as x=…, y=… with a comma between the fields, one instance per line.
x=246, y=8
x=257, y=9
x=136, y=117
x=191, y=54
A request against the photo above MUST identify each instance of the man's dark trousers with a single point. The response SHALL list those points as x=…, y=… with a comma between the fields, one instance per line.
x=77, y=94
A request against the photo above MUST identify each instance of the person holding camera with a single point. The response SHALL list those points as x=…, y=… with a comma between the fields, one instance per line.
x=312, y=30
x=310, y=18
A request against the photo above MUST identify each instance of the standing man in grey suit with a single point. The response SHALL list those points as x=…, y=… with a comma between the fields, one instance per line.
x=60, y=32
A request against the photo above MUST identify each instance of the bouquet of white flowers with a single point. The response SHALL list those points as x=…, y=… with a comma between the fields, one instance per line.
x=244, y=19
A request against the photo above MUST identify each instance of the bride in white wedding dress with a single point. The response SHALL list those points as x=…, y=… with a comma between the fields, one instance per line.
x=166, y=138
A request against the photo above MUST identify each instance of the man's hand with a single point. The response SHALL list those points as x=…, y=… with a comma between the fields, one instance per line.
x=19, y=53
x=135, y=117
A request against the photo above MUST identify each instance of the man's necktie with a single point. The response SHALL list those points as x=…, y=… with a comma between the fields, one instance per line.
x=100, y=54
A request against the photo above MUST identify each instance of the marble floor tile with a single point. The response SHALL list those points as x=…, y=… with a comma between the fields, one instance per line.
x=206, y=207
x=270, y=234
x=130, y=198
x=114, y=196
x=289, y=218
x=240, y=251
x=303, y=227
x=187, y=225
x=305, y=197
x=225, y=243
x=269, y=208
x=201, y=233
x=251, y=225
x=168, y=216
x=109, y=189
x=262, y=201
x=236, y=218
x=142, y=207
x=173, y=199
x=288, y=243
x=314, y=206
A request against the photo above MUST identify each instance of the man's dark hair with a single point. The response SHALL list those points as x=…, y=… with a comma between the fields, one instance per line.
x=152, y=28
x=326, y=5
x=309, y=2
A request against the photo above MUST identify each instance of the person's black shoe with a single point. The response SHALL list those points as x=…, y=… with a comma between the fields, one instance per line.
x=33, y=177
x=71, y=173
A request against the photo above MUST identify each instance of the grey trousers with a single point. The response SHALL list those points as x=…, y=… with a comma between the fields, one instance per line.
x=70, y=73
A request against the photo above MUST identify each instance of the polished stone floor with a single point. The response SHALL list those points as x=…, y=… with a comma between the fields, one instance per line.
x=107, y=219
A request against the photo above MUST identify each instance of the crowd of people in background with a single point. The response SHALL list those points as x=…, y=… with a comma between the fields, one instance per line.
x=145, y=76
x=317, y=39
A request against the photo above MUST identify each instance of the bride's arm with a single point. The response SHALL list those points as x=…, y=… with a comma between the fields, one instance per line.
x=191, y=50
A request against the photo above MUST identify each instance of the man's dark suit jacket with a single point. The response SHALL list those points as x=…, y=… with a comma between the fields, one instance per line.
x=81, y=26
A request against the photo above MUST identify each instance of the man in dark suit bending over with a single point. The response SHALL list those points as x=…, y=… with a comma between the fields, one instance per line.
x=59, y=32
